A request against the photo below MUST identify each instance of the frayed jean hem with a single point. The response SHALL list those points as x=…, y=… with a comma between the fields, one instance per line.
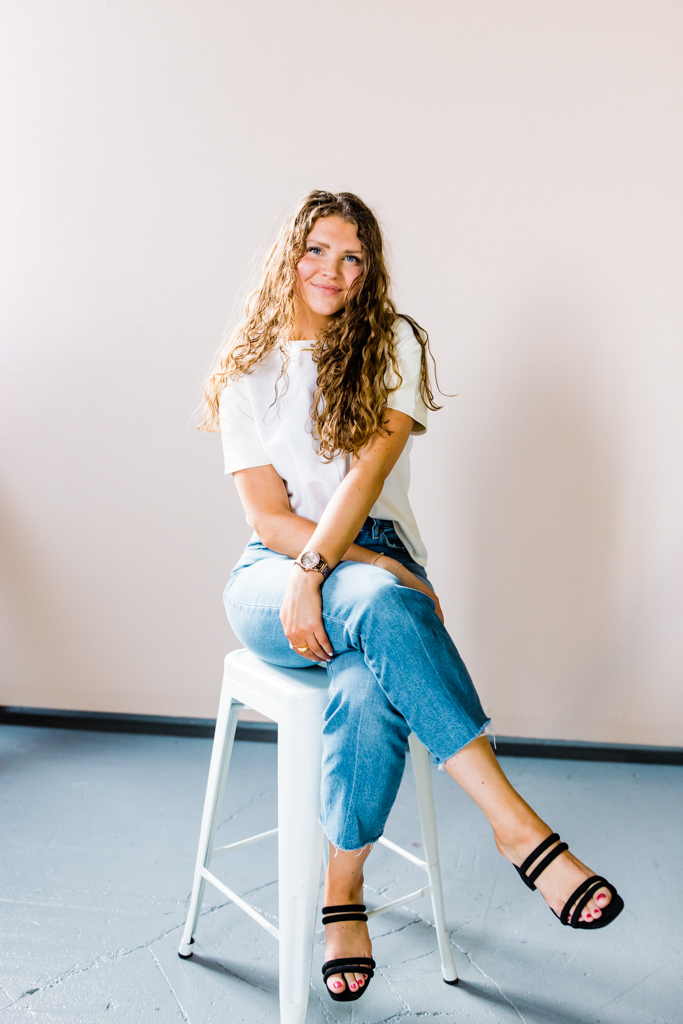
x=440, y=762
x=338, y=848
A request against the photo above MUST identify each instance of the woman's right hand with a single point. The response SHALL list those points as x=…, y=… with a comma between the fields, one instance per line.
x=301, y=615
x=408, y=579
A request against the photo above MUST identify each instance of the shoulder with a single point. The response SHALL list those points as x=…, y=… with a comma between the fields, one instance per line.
x=409, y=344
x=407, y=331
x=406, y=388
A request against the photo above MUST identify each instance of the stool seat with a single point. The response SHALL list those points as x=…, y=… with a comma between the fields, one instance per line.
x=296, y=699
x=276, y=691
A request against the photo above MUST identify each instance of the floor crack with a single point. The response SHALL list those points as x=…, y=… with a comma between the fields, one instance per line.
x=100, y=961
x=489, y=978
x=173, y=991
x=404, y=1005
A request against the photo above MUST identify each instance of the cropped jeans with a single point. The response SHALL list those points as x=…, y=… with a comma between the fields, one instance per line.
x=395, y=671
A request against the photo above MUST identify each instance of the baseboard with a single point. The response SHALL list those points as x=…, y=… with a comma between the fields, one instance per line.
x=104, y=721
x=266, y=732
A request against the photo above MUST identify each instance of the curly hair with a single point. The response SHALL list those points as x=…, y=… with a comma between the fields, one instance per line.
x=353, y=352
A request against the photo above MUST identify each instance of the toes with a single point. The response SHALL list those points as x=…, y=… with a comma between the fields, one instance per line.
x=593, y=909
x=338, y=982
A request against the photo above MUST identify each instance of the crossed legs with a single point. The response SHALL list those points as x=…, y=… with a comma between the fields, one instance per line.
x=395, y=670
x=517, y=830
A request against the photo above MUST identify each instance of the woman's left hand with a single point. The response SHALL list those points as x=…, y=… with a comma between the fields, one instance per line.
x=301, y=616
x=408, y=579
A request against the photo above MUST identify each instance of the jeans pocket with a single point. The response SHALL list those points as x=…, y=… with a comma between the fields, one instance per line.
x=390, y=539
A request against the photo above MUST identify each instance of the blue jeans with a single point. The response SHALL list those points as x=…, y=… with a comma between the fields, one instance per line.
x=395, y=671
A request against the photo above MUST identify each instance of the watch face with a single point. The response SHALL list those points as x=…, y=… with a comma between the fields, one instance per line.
x=310, y=559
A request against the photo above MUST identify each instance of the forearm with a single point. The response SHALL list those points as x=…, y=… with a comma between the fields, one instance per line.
x=345, y=513
x=333, y=536
x=290, y=534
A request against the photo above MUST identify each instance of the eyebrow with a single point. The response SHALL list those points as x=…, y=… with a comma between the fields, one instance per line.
x=324, y=245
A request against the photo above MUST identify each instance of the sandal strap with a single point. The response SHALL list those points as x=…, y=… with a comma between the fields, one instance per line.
x=560, y=848
x=541, y=848
x=349, y=964
x=348, y=912
x=529, y=877
x=584, y=894
x=344, y=908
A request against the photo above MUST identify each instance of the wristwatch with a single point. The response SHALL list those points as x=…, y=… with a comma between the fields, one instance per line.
x=310, y=561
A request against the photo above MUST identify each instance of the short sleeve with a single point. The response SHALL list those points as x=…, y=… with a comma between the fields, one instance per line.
x=242, y=446
x=407, y=398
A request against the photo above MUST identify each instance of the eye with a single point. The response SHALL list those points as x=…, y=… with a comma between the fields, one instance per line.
x=354, y=259
x=313, y=248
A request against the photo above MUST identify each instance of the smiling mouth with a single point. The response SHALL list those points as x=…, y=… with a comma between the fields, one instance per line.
x=330, y=289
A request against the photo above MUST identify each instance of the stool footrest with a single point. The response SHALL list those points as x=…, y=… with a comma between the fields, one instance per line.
x=255, y=914
x=243, y=842
x=389, y=906
x=403, y=853
x=398, y=902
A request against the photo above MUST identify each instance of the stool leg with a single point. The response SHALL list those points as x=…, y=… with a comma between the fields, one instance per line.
x=226, y=724
x=425, y=803
x=300, y=847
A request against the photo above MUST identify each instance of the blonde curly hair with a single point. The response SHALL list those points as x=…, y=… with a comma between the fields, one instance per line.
x=353, y=351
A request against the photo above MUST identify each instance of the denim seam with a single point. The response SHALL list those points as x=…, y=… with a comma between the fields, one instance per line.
x=428, y=658
x=355, y=773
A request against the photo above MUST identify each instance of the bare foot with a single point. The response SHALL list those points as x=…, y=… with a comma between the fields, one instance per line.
x=560, y=879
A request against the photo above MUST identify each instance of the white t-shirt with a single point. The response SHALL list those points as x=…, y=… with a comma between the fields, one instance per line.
x=256, y=432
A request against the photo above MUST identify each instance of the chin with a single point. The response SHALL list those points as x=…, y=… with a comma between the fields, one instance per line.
x=326, y=309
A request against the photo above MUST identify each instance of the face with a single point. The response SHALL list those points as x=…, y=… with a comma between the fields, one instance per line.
x=328, y=271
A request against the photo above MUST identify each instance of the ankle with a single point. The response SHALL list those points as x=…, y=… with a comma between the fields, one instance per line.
x=517, y=838
x=342, y=894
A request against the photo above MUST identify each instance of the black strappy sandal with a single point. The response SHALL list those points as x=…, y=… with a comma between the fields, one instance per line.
x=347, y=964
x=583, y=894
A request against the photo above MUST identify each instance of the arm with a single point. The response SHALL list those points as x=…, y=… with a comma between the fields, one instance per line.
x=263, y=495
x=265, y=501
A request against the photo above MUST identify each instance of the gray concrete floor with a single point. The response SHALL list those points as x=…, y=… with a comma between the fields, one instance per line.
x=98, y=841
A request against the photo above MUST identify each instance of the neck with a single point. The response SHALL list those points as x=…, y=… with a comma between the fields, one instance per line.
x=307, y=324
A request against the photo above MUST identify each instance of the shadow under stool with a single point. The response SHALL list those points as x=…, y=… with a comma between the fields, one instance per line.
x=296, y=699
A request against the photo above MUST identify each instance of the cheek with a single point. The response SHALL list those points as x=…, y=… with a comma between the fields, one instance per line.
x=304, y=270
x=353, y=277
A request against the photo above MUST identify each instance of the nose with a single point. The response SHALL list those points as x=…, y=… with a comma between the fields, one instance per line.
x=330, y=266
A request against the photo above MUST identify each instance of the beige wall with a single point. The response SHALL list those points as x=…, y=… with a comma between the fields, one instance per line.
x=525, y=157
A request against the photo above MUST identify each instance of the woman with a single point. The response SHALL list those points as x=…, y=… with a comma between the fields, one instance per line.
x=318, y=395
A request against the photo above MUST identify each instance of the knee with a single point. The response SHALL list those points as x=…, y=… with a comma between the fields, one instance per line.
x=398, y=604
x=351, y=686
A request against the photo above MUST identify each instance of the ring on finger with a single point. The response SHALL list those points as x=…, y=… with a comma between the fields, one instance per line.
x=302, y=649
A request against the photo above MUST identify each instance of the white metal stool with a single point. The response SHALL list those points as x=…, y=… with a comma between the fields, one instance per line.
x=296, y=700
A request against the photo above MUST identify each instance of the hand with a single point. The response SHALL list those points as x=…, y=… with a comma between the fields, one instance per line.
x=301, y=615
x=409, y=579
